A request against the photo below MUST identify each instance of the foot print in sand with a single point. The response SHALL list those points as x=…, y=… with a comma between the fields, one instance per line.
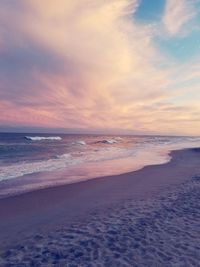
x=163, y=232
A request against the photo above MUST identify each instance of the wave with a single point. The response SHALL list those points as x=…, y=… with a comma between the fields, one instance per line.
x=62, y=161
x=64, y=156
x=103, y=159
x=20, y=169
x=118, y=138
x=40, y=138
x=79, y=142
x=108, y=141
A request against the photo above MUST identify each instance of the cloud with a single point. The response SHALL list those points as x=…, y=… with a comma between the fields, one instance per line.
x=177, y=14
x=82, y=64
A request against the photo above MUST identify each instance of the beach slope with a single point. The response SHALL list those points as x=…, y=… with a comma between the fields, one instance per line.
x=150, y=217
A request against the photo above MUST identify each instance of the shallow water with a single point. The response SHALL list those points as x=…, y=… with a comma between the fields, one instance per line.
x=27, y=159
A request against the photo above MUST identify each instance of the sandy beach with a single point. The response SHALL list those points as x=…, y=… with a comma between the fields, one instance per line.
x=150, y=217
x=99, y=133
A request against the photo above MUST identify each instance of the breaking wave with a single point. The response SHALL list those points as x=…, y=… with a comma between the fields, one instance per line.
x=79, y=142
x=40, y=138
x=108, y=141
x=81, y=159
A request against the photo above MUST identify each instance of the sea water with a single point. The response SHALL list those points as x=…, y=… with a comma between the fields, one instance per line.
x=32, y=161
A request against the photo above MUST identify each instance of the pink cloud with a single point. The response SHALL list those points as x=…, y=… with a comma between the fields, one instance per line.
x=177, y=14
x=82, y=64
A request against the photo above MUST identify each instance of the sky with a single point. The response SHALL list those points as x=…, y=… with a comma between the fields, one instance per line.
x=108, y=66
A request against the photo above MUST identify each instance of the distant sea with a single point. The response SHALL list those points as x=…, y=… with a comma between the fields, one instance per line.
x=33, y=161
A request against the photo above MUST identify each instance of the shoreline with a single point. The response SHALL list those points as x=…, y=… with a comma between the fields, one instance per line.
x=102, y=181
x=44, y=211
x=75, y=174
x=62, y=173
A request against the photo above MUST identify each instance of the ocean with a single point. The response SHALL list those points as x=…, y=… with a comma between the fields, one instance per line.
x=34, y=161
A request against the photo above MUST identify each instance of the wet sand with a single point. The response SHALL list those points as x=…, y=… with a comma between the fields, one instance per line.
x=150, y=217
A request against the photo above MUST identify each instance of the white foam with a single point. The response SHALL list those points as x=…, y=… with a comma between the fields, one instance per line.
x=63, y=161
x=64, y=156
x=118, y=138
x=40, y=138
x=105, y=160
x=108, y=141
x=24, y=168
x=79, y=142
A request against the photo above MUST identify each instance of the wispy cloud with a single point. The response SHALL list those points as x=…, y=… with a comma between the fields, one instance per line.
x=84, y=64
x=177, y=14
